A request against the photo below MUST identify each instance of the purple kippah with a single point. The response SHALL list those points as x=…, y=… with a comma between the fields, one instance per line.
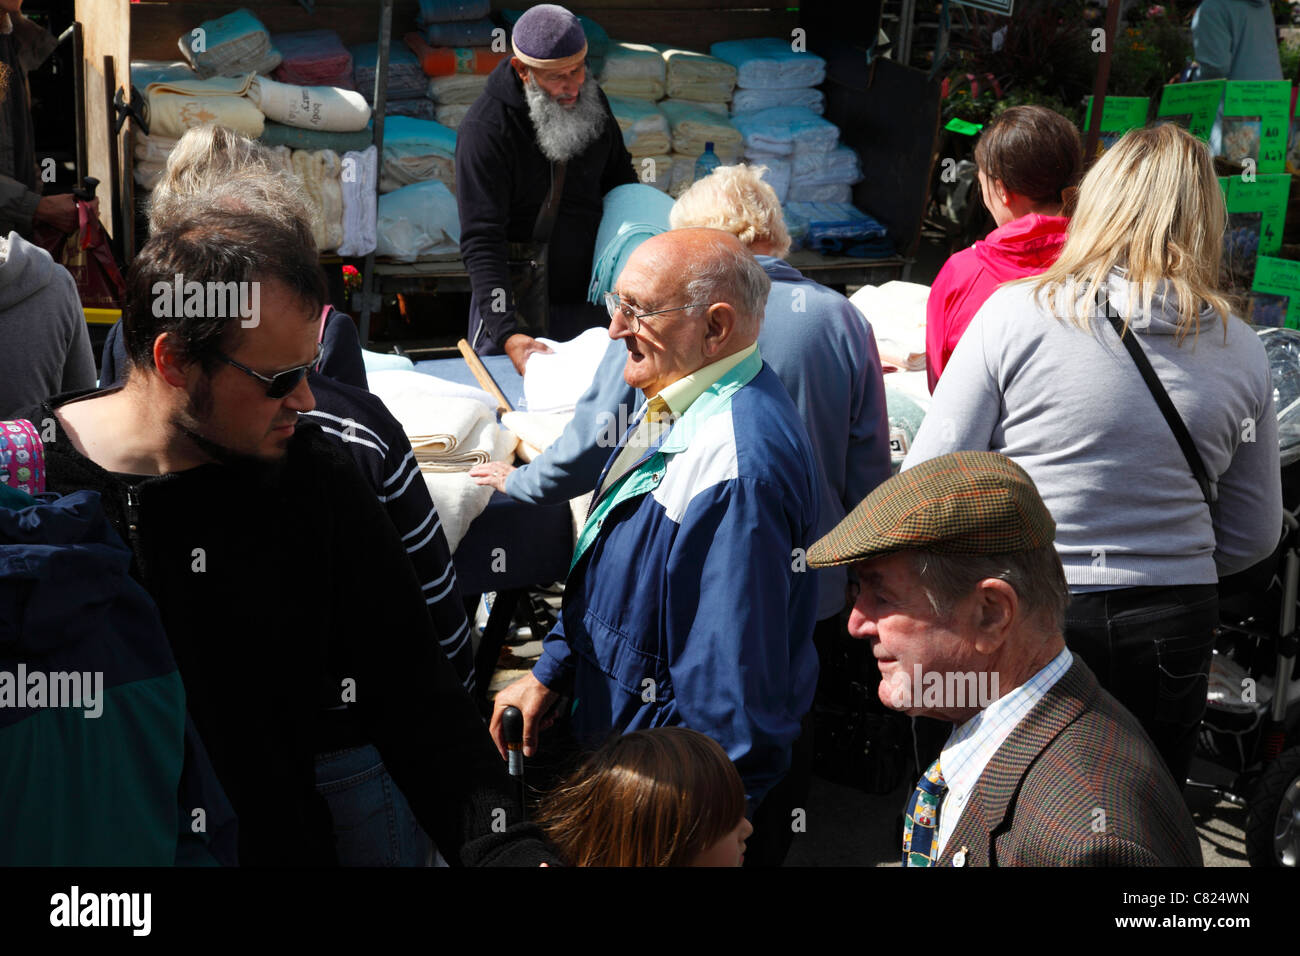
x=548, y=32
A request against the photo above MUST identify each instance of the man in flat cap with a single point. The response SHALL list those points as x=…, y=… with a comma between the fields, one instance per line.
x=963, y=598
x=535, y=155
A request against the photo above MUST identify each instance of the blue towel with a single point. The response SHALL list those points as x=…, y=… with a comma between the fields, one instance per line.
x=768, y=63
x=407, y=136
x=633, y=213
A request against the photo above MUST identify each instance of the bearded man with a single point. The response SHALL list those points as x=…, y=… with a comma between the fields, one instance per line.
x=535, y=156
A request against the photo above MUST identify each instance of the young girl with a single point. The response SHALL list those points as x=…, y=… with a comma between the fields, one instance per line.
x=662, y=797
x=1028, y=157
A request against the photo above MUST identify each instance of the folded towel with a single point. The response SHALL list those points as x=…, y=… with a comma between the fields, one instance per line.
x=443, y=434
x=554, y=381
x=459, y=89
x=144, y=72
x=176, y=106
x=313, y=58
x=277, y=134
x=645, y=129
x=418, y=220
x=232, y=45
x=406, y=78
x=896, y=311
x=463, y=33
x=434, y=11
x=395, y=371
x=776, y=173
x=694, y=76
x=420, y=107
x=448, y=61
x=450, y=116
x=318, y=170
x=781, y=130
x=632, y=213
x=417, y=151
x=310, y=107
x=358, y=177
x=633, y=69
x=769, y=64
x=694, y=124
x=838, y=165
x=458, y=497
x=751, y=101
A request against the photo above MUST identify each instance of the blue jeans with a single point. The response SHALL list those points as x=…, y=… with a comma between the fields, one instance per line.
x=373, y=823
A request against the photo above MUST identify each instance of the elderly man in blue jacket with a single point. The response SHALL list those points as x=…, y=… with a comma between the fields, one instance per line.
x=687, y=602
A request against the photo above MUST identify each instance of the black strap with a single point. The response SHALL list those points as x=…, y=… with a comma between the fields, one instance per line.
x=551, y=208
x=1167, y=408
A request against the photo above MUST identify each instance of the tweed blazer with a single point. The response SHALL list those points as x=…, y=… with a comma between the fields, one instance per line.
x=1077, y=783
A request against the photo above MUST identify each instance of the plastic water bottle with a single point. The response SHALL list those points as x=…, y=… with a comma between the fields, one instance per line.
x=707, y=162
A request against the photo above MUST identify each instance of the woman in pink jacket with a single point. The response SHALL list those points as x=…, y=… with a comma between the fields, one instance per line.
x=1029, y=161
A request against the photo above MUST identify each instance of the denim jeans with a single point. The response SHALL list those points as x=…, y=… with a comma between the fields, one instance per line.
x=1151, y=648
x=373, y=823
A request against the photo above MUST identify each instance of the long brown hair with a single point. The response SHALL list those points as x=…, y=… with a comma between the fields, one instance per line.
x=1033, y=151
x=656, y=797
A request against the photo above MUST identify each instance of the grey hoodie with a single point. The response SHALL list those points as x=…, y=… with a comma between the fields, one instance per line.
x=1236, y=40
x=44, y=344
x=1072, y=409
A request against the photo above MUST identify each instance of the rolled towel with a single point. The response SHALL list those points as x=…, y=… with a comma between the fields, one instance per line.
x=310, y=107
x=232, y=45
x=694, y=76
x=633, y=69
x=359, y=174
x=769, y=64
x=174, y=107
x=839, y=165
x=313, y=58
x=457, y=90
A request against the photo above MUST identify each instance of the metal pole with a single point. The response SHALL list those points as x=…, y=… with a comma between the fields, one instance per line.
x=368, y=294
x=906, y=23
x=1099, y=86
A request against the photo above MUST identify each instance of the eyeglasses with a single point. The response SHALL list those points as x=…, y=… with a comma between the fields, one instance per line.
x=616, y=306
x=282, y=383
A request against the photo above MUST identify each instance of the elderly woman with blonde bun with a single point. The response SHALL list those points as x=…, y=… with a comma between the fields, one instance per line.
x=1042, y=377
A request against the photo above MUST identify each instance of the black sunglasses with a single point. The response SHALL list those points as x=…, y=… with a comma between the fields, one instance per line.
x=282, y=383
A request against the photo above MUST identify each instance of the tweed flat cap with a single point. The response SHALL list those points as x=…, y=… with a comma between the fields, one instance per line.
x=549, y=37
x=969, y=502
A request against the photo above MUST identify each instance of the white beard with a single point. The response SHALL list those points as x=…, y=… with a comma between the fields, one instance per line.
x=564, y=133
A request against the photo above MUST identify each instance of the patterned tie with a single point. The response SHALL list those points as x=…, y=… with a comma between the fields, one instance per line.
x=921, y=819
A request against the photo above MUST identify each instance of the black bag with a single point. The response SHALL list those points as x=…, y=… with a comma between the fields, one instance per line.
x=527, y=263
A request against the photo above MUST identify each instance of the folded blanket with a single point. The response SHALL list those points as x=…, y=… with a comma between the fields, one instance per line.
x=632, y=213
x=447, y=61
x=458, y=497
x=694, y=124
x=751, y=101
x=434, y=11
x=232, y=45
x=318, y=170
x=462, y=33
x=416, y=151
x=173, y=107
x=313, y=58
x=277, y=134
x=780, y=130
x=633, y=69
x=896, y=311
x=694, y=76
x=357, y=179
x=555, y=380
x=394, y=372
x=460, y=89
x=450, y=116
x=310, y=107
x=645, y=129
x=144, y=72
x=769, y=64
x=420, y=107
x=418, y=220
x=406, y=78
x=442, y=433
x=838, y=165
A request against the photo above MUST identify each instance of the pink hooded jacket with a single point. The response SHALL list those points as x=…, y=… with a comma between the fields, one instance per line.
x=1023, y=247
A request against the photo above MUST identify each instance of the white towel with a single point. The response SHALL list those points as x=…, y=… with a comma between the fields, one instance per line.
x=896, y=311
x=555, y=382
x=358, y=181
x=411, y=389
x=536, y=431
x=458, y=497
x=310, y=107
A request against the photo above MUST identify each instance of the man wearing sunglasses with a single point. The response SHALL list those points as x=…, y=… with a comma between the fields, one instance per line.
x=296, y=619
x=687, y=602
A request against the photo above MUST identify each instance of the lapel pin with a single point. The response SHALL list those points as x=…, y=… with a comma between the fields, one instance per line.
x=959, y=858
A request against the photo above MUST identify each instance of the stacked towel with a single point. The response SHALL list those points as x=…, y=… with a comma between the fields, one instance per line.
x=632, y=214
x=450, y=116
x=633, y=69
x=656, y=171
x=776, y=173
x=406, y=79
x=444, y=436
x=751, y=101
x=694, y=124
x=416, y=151
x=232, y=45
x=418, y=220
x=313, y=58
x=694, y=76
x=447, y=61
x=277, y=134
x=770, y=64
x=824, y=177
x=459, y=89
x=645, y=129
x=784, y=130
x=358, y=178
x=420, y=108
x=173, y=107
x=310, y=107
x=318, y=170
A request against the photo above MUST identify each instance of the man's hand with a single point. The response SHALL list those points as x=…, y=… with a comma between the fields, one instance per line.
x=534, y=699
x=494, y=473
x=519, y=346
x=59, y=211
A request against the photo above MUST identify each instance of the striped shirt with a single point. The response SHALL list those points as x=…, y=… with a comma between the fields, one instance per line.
x=971, y=746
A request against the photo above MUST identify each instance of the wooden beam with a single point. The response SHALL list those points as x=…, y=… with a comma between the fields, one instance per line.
x=104, y=31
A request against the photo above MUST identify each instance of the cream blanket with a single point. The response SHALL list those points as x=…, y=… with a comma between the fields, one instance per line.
x=310, y=107
x=318, y=170
x=176, y=106
x=695, y=76
x=896, y=311
x=457, y=90
x=633, y=69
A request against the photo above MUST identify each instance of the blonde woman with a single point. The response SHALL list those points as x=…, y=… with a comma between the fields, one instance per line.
x=1042, y=377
